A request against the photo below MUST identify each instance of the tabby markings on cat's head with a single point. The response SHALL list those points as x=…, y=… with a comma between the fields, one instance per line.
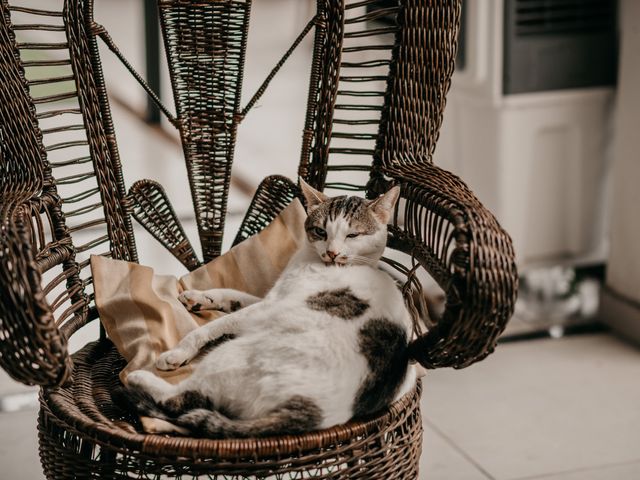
x=347, y=230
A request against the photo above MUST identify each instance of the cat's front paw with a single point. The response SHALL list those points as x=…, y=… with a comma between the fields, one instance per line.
x=139, y=378
x=172, y=359
x=196, y=300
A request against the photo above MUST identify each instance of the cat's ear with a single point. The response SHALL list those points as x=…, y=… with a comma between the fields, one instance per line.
x=311, y=195
x=382, y=207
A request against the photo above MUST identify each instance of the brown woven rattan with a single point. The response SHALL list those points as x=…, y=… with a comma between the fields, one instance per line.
x=376, y=98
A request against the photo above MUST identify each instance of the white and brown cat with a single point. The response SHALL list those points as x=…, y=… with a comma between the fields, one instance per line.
x=327, y=343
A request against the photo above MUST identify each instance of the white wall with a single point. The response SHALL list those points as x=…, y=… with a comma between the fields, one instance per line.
x=536, y=160
x=624, y=259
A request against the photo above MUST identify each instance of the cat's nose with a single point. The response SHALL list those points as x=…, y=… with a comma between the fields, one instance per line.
x=332, y=255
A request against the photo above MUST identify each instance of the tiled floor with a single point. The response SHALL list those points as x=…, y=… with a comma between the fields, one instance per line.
x=566, y=409
x=544, y=408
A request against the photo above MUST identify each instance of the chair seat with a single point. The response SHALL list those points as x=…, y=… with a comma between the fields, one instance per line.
x=84, y=433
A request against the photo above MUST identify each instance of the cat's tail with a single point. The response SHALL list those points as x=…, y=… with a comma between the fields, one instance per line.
x=297, y=415
x=141, y=402
x=196, y=414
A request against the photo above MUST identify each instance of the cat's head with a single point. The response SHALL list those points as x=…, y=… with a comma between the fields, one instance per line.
x=347, y=230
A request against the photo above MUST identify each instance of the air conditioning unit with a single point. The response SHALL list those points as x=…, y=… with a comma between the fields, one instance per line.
x=527, y=123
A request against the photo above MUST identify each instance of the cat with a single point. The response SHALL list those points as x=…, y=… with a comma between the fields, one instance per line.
x=326, y=344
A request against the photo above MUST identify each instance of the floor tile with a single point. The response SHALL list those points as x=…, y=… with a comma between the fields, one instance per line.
x=627, y=471
x=19, y=446
x=9, y=386
x=540, y=407
x=442, y=461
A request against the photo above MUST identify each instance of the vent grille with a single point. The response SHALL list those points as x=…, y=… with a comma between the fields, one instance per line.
x=551, y=17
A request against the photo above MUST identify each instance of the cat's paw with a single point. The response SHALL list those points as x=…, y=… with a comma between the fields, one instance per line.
x=139, y=378
x=172, y=359
x=196, y=300
x=191, y=299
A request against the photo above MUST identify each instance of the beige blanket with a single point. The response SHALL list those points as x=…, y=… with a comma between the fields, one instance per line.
x=140, y=309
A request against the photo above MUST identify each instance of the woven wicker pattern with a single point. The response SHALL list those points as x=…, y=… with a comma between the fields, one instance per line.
x=273, y=194
x=154, y=212
x=206, y=44
x=376, y=98
x=388, y=444
x=74, y=186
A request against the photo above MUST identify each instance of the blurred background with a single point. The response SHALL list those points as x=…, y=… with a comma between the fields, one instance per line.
x=541, y=122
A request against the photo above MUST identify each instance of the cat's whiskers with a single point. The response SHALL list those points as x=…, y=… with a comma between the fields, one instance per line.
x=362, y=260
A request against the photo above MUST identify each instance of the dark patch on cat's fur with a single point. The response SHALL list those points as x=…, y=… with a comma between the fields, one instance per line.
x=311, y=231
x=143, y=402
x=197, y=413
x=339, y=303
x=211, y=344
x=298, y=415
x=384, y=345
x=185, y=402
x=135, y=398
x=127, y=406
x=234, y=305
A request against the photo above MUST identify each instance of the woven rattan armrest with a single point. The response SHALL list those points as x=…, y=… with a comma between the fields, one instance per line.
x=32, y=348
x=460, y=243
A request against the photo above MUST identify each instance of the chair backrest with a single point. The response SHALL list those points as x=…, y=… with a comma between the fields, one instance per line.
x=379, y=75
x=380, y=71
x=61, y=199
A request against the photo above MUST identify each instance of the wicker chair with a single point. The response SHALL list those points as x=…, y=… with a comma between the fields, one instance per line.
x=379, y=75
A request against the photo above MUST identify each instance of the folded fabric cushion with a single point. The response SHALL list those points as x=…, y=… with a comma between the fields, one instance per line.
x=141, y=312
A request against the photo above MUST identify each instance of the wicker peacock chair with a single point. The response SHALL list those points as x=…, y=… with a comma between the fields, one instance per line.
x=376, y=97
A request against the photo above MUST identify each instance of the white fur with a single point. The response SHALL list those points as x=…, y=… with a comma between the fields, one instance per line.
x=282, y=348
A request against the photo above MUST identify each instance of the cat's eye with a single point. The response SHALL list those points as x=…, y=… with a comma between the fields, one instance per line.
x=353, y=235
x=319, y=232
